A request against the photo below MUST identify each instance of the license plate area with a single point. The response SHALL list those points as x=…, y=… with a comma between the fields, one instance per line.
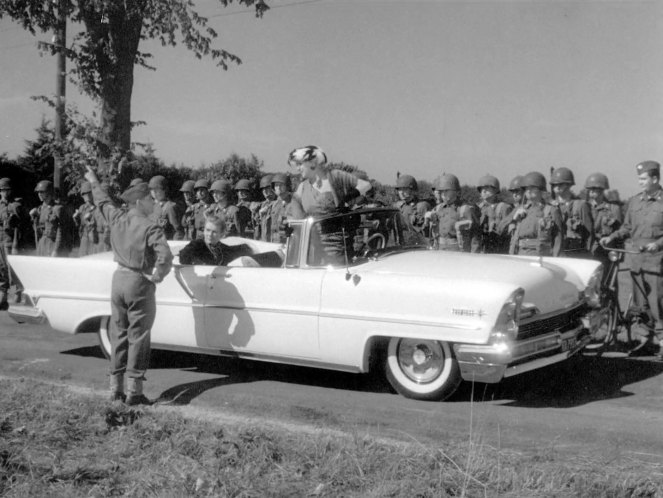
x=569, y=343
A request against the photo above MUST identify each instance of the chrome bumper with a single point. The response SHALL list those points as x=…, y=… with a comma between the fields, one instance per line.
x=491, y=363
x=24, y=313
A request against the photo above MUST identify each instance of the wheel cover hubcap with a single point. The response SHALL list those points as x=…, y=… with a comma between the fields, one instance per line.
x=421, y=361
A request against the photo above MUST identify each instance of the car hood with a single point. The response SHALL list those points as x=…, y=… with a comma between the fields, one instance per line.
x=549, y=283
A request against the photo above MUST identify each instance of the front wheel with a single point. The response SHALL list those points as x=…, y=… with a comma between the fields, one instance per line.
x=104, y=336
x=422, y=369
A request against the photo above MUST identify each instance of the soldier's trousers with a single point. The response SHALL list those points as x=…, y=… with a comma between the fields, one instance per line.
x=648, y=295
x=133, y=309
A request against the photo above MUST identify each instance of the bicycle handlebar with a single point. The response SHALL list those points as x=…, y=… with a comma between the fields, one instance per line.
x=640, y=250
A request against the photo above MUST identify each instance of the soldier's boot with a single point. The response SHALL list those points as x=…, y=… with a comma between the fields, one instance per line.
x=117, y=388
x=4, y=305
x=135, y=390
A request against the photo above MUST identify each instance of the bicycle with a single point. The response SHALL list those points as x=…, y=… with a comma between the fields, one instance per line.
x=617, y=322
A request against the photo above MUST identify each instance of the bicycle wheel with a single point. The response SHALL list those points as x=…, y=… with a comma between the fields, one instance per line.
x=608, y=328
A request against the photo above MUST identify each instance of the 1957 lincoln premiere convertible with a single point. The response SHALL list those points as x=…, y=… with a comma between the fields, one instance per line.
x=429, y=318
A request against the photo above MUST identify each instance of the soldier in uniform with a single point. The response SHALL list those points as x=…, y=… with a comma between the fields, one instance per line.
x=141, y=251
x=165, y=213
x=90, y=223
x=188, y=218
x=52, y=223
x=201, y=188
x=454, y=223
x=493, y=212
x=243, y=192
x=536, y=226
x=413, y=210
x=13, y=219
x=236, y=219
x=576, y=215
x=262, y=219
x=517, y=191
x=607, y=216
x=643, y=231
x=283, y=208
x=506, y=226
x=13, y=222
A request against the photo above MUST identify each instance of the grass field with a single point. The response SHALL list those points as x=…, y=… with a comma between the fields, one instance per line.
x=55, y=441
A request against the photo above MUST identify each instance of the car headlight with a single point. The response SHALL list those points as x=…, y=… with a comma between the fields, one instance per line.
x=592, y=292
x=506, y=326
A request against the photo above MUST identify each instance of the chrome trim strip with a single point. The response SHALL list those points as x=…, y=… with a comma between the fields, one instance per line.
x=279, y=310
x=259, y=357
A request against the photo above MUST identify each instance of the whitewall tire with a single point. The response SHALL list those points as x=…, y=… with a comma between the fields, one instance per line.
x=104, y=336
x=421, y=368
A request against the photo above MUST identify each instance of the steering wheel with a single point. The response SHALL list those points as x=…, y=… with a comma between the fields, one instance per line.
x=382, y=243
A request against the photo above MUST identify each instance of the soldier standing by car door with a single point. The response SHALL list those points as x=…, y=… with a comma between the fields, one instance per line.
x=52, y=223
x=493, y=212
x=576, y=215
x=141, y=251
x=643, y=231
x=536, y=225
x=165, y=211
x=454, y=223
x=413, y=210
x=607, y=215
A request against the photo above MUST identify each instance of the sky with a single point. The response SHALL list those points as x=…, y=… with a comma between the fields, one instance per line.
x=418, y=87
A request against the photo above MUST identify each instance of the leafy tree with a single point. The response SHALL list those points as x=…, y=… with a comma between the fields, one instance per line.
x=37, y=156
x=105, y=49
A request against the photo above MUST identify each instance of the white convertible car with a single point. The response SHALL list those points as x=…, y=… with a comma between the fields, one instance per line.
x=429, y=318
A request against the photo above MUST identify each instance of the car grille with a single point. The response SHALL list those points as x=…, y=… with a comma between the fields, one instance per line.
x=559, y=322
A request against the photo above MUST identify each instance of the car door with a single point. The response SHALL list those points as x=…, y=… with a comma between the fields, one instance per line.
x=266, y=312
x=180, y=319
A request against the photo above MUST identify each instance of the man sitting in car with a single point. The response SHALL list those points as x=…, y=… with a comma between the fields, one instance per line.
x=211, y=251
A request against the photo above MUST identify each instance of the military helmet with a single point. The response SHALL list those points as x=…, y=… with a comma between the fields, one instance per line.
x=281, y=178
x=597, y=180
x=135, y=182
x=534, y=179
x=5, y=184
x=86, y=188
x=188, y=186
x=516, y=183
x=44, y=186
x=447, y=182
x=488, y=181
x=562, y=175
x=201, y=183
x=157, y=182
x=223, y=186
x=407, y=181
x=243, y=184
x=266, y=182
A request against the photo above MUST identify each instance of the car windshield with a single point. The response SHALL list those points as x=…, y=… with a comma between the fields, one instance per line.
x=352, y=237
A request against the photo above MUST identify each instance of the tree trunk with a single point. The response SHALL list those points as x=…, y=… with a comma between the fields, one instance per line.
x=116, y=74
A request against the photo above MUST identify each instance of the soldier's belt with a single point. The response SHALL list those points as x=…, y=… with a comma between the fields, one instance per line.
x=533, y=244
